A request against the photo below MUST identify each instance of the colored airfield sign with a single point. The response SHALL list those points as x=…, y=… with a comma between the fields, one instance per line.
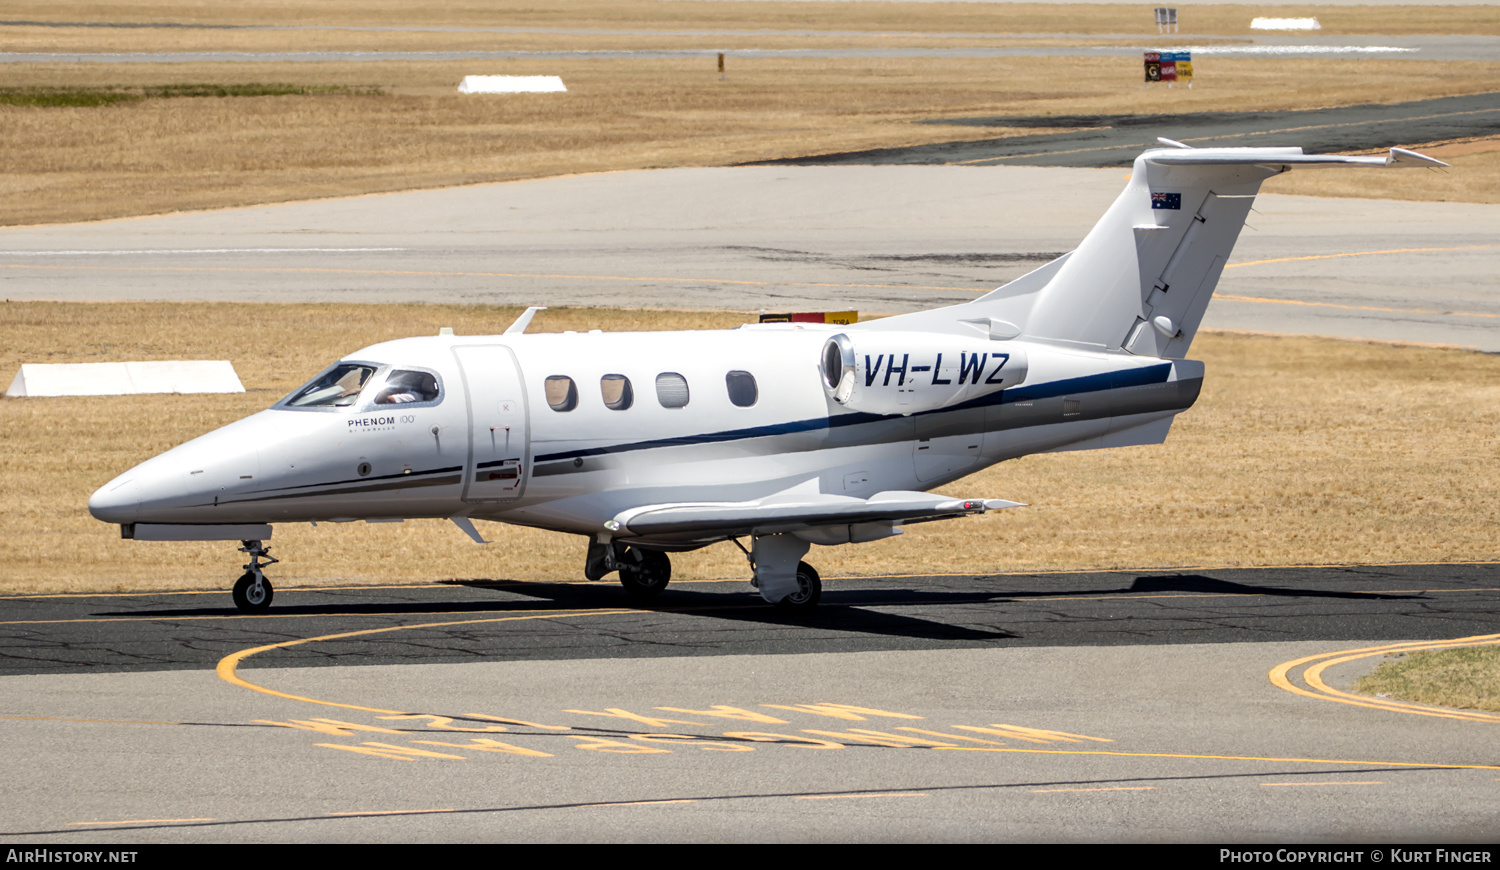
x=1169, y=66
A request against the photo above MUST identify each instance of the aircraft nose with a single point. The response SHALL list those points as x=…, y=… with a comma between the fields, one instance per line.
x=118, y=501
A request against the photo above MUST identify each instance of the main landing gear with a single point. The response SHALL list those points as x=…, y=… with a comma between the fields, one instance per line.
x=780, y=576
x=809, y=589
x=253, y=592
x=644, y=573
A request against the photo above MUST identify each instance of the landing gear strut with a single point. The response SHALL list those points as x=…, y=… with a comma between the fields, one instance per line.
x=253, y=592
x=772, y=558
x=644, y=573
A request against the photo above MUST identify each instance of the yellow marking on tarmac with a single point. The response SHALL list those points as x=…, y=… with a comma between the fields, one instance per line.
x=1110, y=788
x=1220, y=757
x=636, y=279
x=1301, y=784
x=167, y=618
x=142, y=822
x=1316, y=664
x=835, y=797
x=227, y=666
x=949, y=736
x=1339, y=305
x=279, y=590
x=1358, y=254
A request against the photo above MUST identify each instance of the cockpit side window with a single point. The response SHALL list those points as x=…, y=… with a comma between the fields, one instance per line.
x=339, y=387
x=405, y=387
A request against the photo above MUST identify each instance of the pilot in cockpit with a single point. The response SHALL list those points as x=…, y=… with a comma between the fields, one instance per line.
x=404, y=388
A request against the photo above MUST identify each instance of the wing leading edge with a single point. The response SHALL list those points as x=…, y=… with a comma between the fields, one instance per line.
x=812, y=516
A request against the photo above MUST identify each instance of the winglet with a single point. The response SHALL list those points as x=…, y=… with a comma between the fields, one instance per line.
x=524, y=320
x=1403, y=157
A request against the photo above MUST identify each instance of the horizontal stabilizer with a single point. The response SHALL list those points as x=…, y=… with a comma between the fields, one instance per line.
x=1183, y=155
x=779, y=514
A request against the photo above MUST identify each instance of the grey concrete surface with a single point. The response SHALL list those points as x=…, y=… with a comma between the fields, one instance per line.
x=1186, y=743
x=875, y=238
x=898, y=711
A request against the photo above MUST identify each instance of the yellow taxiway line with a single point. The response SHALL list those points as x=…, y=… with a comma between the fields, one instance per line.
x=1314, y=665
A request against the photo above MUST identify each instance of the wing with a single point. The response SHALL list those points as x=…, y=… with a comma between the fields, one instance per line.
x=819, y=517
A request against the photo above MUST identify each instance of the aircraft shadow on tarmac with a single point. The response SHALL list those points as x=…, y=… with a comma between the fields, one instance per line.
x=849, y=610
x=1205, y=585
x=840, y=611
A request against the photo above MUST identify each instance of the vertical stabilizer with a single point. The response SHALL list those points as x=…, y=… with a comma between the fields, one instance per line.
x=1142, y=278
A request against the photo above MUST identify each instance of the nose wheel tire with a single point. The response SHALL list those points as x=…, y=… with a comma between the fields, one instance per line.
x=252, y=597
x=809, y=590
x=644, y=573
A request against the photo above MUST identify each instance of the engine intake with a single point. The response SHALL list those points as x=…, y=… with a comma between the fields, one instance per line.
x=905, y=373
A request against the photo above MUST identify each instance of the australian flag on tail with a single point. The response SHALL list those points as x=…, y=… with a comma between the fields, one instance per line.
x=1166, y=200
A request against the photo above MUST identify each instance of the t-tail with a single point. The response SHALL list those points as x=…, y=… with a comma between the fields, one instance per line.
x=1142, y=278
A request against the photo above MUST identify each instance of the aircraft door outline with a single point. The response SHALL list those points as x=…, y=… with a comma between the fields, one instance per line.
x=498, y=462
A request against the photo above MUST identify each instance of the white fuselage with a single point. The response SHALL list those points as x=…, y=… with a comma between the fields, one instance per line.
x=492, y=445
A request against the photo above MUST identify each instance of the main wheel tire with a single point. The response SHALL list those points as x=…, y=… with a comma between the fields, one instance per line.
x=644, y=573
x=248, y=598
x=809, y=589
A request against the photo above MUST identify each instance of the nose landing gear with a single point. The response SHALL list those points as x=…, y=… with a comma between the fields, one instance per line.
x=252, y=592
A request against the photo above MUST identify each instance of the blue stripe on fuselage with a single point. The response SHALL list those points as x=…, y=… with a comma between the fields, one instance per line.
x=1070, y=387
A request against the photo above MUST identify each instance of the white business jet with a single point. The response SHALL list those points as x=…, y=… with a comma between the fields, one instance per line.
x=786, y=434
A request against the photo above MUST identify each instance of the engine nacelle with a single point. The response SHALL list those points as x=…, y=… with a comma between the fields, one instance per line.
x=909, y=372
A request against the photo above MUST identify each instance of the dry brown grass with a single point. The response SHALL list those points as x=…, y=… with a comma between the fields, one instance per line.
x=64, y=164
x=1467, y=678
x=1300, y=451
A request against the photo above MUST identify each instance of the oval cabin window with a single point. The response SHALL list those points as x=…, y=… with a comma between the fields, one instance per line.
x=742, y=390
x=562, y=395
x=671, y=390
x=617, y=392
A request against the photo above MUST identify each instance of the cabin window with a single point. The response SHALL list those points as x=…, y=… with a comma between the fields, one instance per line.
x=742, y=390
x=671, y=390
x=617, y=392
x=562, y=395
x=338, y=387
x=408, y=388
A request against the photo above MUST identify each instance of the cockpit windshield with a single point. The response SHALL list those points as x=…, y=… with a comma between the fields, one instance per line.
x=338, y=387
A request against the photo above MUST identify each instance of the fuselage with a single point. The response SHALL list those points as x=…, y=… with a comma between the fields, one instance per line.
x=565, y=431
